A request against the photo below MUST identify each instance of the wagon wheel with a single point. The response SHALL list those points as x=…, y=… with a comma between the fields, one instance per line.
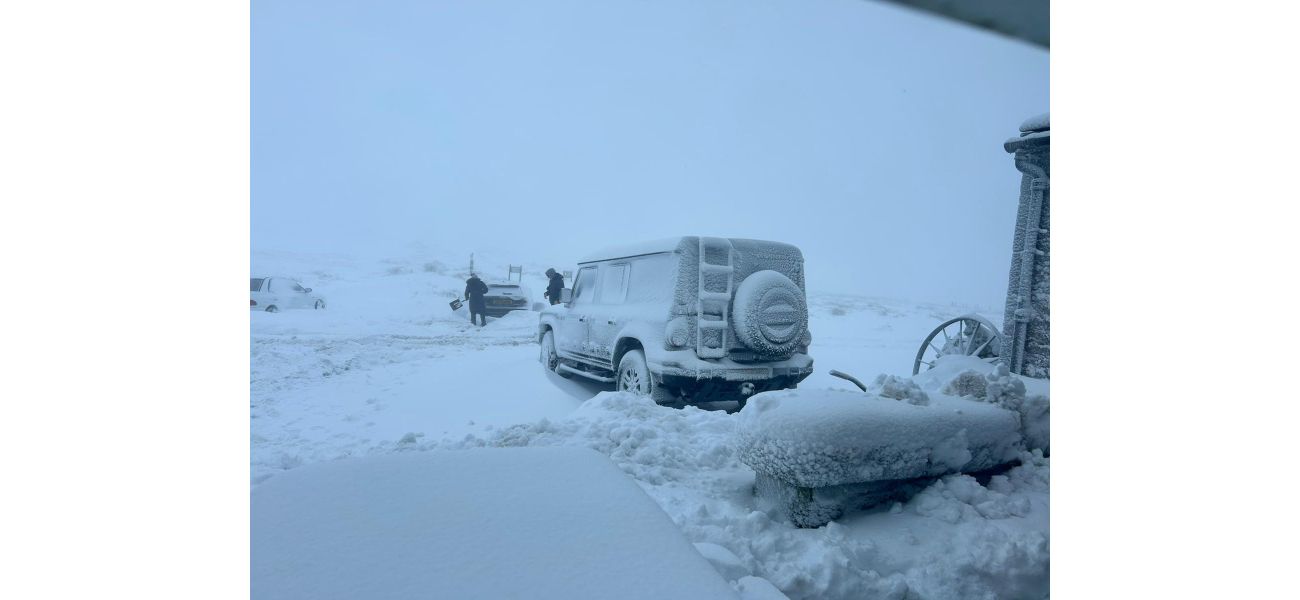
x=969, y=335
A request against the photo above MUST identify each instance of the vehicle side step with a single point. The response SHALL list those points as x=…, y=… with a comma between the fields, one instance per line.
x=587, y=374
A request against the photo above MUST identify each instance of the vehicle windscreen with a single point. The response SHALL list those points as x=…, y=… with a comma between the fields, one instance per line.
x=504, y=289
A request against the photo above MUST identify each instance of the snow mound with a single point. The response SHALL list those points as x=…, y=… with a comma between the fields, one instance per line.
x=757, y=588
x=899, y=388
x=425, y=525
x=967, y=383
x=1004, y=389
x=820, y=438
x=727, y=564
x=1028, y=396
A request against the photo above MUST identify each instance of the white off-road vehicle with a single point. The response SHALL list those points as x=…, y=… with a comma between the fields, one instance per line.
x=687, y=319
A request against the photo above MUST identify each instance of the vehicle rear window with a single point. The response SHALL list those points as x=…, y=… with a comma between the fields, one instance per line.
x=256, y=284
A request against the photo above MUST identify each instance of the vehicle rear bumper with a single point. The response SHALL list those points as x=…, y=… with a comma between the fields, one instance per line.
x=500, y=311
x=723, y=380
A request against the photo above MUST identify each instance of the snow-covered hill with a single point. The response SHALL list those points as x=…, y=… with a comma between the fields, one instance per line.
x=388, y=367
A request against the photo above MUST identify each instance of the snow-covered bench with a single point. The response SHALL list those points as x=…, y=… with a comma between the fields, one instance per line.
x=819, y=452
x=484, y=523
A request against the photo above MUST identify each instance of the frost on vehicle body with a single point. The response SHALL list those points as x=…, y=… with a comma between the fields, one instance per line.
x=686, y=319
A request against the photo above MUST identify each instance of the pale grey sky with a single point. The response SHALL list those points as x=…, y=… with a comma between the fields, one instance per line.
x=868, y=135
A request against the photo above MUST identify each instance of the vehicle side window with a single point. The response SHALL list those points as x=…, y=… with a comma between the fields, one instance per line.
x=652, y=279
x=256, y=284
x=584, y=286
x=613, y=284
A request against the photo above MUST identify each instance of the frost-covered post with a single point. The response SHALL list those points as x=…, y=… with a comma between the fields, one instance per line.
x=1026, y=331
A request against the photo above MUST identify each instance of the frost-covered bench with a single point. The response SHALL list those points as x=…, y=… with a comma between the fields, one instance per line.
x=483, y=523
x=817, y=453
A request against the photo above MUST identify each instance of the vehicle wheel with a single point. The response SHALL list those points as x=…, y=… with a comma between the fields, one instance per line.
x=970, y=335
x=272, y=308
x=550, y=358
x=634, y=376
x=320, y=304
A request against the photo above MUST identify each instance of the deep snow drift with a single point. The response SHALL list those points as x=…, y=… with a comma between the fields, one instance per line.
x=389, y=368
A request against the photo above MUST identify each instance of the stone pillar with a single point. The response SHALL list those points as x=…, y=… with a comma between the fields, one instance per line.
x=1026, y=330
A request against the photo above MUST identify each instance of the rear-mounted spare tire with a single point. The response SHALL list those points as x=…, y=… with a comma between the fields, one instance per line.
x=769, y=314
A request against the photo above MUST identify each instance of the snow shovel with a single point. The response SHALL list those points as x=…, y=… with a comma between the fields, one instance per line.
x=456, y=304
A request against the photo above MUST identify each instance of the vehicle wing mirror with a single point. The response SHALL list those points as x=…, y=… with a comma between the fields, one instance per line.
x=306, y=290
x=566, y=295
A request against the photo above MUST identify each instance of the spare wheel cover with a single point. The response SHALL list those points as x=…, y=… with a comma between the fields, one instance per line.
x=769, y=314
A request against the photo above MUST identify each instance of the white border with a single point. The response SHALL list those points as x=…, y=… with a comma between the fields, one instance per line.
x=1174, y=230
x=124, y=164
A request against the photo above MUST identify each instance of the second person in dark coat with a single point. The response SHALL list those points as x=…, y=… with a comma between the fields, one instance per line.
x=474, y=291
x=553, y=288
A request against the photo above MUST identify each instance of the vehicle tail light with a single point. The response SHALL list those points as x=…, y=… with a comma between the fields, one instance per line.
x=252, y=302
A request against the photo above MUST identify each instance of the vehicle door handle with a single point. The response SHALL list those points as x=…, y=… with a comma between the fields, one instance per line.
x=582, y=318
x=611, y=322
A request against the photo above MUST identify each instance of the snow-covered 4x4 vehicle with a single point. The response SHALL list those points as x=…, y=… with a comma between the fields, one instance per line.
x=688, y=319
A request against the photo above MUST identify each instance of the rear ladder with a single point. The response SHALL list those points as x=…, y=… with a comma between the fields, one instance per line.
x=712, y=317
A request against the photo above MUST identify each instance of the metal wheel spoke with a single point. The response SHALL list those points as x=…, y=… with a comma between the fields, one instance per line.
x=982, y=347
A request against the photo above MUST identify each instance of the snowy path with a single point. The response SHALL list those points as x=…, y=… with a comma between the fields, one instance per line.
x=361, y=394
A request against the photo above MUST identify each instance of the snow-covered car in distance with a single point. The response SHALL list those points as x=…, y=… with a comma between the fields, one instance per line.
x=502, y=298
x=688, y=319
x=273, y=294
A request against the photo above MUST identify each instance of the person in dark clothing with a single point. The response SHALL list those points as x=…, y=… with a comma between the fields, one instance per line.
x=553, y=288
x=474, y=291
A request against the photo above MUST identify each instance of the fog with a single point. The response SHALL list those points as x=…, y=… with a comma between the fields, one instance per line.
x=868, y=135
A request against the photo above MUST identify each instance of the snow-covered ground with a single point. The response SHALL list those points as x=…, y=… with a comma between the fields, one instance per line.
x=388, y=367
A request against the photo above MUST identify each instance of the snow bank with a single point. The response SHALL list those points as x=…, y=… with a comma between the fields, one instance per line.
x=687, y=461
x=503, y=523
x=819, y=438
x=899, y=388
x=976, y=379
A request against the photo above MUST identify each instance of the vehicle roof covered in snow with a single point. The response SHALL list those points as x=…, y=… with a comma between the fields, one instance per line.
x=637, y=249
x=663, y=245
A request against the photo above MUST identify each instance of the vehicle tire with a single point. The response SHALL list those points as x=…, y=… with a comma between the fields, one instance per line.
x=272, y=308
x=634, y=376
x=549, y=358
x=320, y=304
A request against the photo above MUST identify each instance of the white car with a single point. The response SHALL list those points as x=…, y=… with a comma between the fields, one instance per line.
x=273, y=294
